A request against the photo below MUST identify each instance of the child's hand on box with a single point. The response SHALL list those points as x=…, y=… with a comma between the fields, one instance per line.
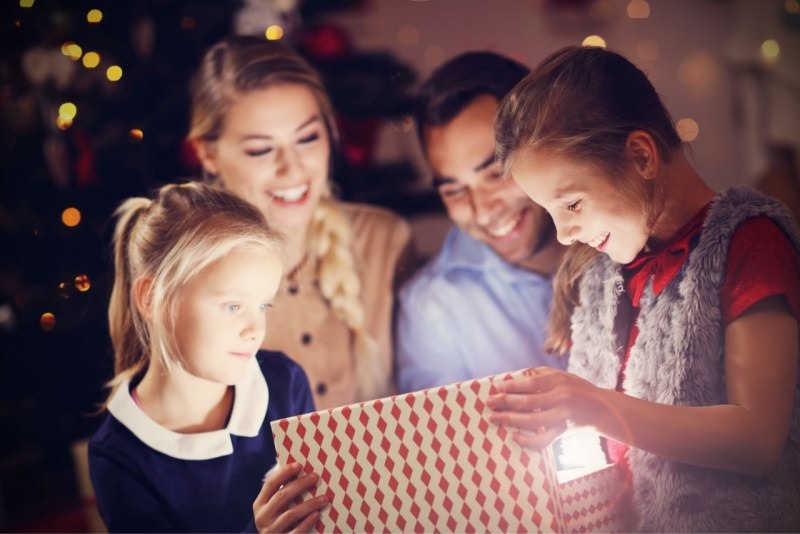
x=275, y=508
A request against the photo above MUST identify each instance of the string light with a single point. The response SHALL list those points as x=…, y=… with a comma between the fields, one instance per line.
x=68, y=110
x=91, y=60
x=71, y=217
x=688, y=129
x=770, y=50
x=72, y=50
x=94, y=16
x=114, y=73
x=274, y=32
x=82, y=283
x=63, y=124
x=594, y=40
x=135, y=135
x=638, y=9
x=26, y=3
x=47, y=321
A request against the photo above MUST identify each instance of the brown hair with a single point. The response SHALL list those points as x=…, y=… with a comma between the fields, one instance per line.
x=583, y=103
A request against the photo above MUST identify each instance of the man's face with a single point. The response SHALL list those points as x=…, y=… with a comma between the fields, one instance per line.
x=479, y=199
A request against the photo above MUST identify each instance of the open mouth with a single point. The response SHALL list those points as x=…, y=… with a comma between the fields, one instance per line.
x=599, y=241
x=290, y=195
x=507, y=227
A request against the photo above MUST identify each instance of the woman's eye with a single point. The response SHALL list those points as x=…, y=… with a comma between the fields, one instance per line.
x=308, y=139
x=575, y=206
x=259, y=152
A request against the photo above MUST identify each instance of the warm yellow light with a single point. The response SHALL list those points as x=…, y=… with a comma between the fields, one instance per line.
x=274, y=32
x=47, y=321
x=63, y=124
x=594, y=40
x=67, y=110
x=94, y=16
x=91, y=60
x=770, y=49
x=688, y=129
x=792, y=6
x=638, y=9
x=136, y=135
x=26, y=3
x=114, y=73
x=72, y=50
x=82, y=283
x=71, y=217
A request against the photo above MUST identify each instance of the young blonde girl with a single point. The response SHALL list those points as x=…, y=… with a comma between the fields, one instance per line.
x=186, y=441
x=264, y=128
x=684, y=334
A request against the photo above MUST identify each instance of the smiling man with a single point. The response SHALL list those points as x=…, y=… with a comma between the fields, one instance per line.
x=480, y=306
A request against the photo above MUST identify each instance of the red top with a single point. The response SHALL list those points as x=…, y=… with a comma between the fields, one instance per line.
x=761, y=263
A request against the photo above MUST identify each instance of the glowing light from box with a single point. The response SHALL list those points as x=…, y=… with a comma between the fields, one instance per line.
x=274, y=32
x=91, y=60
x=47, y=321
x=68, y=110
x=688, y=129
x=71, y=217
x=579, y=448
x=82, y=283
x=638, y=9
x=594, y=40
x=94, y=16
x=114, y=73
x=770, y=50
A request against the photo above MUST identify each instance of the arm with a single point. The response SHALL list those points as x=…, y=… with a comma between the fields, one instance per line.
x=746, y=435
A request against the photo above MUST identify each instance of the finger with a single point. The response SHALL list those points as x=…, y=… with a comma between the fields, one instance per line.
x=291, y=491
x=542, y=379
x=539, y=440
x=308, y=523
x=517, y=402
x=299, y=513
x=275, y=479
x=529, y=421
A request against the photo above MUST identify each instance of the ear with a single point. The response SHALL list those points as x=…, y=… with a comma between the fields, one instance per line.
x=643, y=153
x=142, y=296
x=207, y=154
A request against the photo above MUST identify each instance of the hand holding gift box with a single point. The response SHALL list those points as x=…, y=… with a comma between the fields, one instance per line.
x=424, y=461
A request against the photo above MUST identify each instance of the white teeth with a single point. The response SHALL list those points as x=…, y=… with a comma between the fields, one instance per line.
x=502, y=231
x=290, y=194
x=597, y=241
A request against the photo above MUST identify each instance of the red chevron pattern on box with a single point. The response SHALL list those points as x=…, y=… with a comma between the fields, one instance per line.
x=597, y=502
x=422, y=462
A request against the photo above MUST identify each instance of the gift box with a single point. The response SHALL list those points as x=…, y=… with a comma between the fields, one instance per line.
x=430, y=461
x=597, y=501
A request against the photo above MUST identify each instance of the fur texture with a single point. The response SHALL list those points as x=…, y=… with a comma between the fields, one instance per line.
x=678, y=359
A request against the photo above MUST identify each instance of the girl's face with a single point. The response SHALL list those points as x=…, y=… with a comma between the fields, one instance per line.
x=586, y=205
x=274, y=152
x=221, y=318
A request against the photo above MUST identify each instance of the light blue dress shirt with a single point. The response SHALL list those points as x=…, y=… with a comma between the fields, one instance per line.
x=469, y=314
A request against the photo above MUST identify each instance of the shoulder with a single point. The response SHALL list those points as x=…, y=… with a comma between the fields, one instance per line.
x=114, y=442
x=374, y=219
x=278, y=368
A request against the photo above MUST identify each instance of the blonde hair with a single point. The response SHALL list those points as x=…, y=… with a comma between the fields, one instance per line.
x=238, y=65
x=170, y=240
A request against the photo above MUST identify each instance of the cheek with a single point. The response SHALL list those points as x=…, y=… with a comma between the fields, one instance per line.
x=457, y=209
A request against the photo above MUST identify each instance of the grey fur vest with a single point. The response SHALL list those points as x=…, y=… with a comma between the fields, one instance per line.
x=678, y=359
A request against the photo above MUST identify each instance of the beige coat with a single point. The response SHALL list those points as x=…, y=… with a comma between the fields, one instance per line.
x=301, y=324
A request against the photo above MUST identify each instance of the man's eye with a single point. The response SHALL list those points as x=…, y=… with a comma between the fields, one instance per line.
x=452, y=193
x=575, y=206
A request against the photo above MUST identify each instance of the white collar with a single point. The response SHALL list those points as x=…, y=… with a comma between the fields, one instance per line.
x=249, y=410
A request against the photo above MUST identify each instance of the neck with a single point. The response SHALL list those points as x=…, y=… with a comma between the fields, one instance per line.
x=684, y=193
x=182, y=402
x=546, y=255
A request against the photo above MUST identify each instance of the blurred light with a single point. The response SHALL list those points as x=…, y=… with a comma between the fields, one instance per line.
x=82, y=283
x=770, y=50
x=18, y=23
x=71, y=217
x=63, y=123
x=602, y=10
x=688, y=129
x=648, y=49
x=91, y=60
x=114, y=73
x=792, y=6
x=274, y=32
x=638, y=9
x=47, y=321
x=408, y=35
x=94, y=16
x=72, y=50
x=689, y=72
x=433, y=56
x=579, y=449
x=136, y=135
x=403, y=125
x=594, y=40
x=64, y=290
x=7, y=319
x=67, y=110
x=188, y=23
x=26, y=3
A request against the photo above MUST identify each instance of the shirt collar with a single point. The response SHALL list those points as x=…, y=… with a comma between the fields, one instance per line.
x=247, y=416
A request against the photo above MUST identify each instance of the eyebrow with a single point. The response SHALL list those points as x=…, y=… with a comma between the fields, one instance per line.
x=439, y=181
x=562, y=192
x=306, y=123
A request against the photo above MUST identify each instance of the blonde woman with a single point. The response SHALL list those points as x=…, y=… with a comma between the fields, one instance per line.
x=264, y=129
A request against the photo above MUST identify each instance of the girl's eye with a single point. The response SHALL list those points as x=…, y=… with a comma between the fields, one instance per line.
x=260, y=152
x=264, y=307
x=233, y=307
x=308, y=139
x=575, y=206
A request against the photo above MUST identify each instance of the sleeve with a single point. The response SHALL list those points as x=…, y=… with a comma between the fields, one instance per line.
x=124, y=500
x=762, y=263
x=426, y=350
x=300, y=390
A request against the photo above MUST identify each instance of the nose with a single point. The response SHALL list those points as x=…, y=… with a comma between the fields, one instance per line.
x=485, y=206
x=254, y=327
x=566, y=233
x=289, y=164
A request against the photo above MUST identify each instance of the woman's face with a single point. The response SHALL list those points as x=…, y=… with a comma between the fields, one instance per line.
x=586, y=205
x=274, y=152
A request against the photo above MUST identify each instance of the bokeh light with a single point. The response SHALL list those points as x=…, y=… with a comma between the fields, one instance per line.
x=688, y=129
x=274, y=32
x=408, y=35
x=792, y=7
x=648, y=49
x=47, y=321
x=82, y=283
x=135, y=135
x=72, y=50
x=770, y=50
x=594, y=40
x=64, y=290
x=26, y=3
x=67, y=110
x=114, y=73
x=63, y=123
x=188, y=23
x=91, y=60
x=71, y=217
x=94, y=16
x=638, y=9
